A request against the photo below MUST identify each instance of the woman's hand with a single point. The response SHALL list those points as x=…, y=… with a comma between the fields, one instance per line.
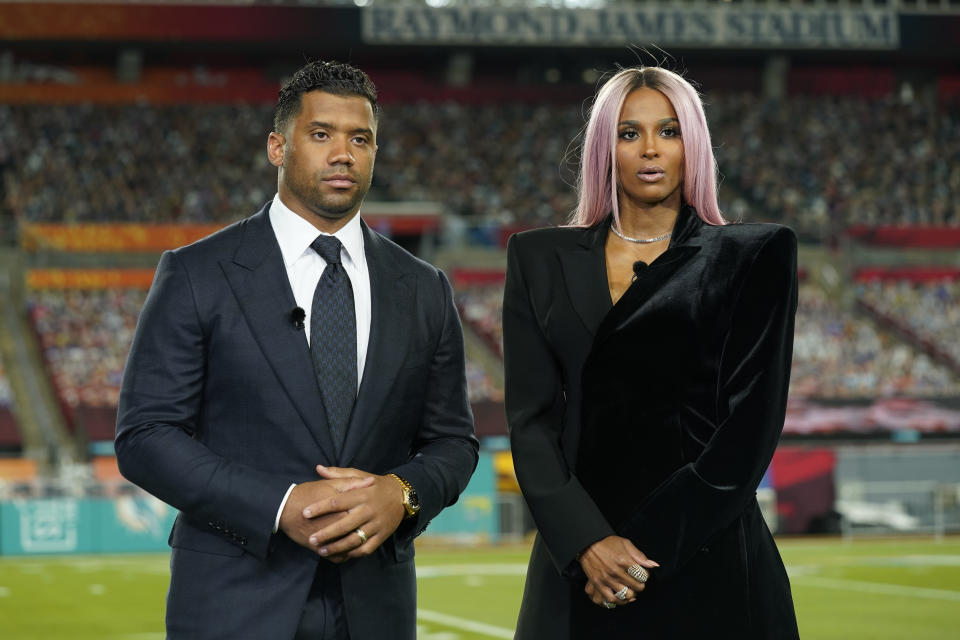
x=606, y=563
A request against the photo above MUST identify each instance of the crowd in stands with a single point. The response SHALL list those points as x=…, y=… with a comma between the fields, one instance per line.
x=817, y=163
x=839, y=354
x=836, y=353
x=504, y=163
x=85, y=336
x=6, y=391
x=822, y=163
x=140, y=163
x=481, y=385
x=481, y=307
x=929, y=311
x=9, y=432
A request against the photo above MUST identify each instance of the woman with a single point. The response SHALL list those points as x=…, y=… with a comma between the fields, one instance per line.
x=647, y=353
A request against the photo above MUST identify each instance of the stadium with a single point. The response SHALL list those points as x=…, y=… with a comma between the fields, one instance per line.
x=131, y=127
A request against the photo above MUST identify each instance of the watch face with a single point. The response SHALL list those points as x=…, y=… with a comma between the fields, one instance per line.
x=413, y=499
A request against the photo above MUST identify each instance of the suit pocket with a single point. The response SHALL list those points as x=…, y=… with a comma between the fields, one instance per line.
x=186, y=536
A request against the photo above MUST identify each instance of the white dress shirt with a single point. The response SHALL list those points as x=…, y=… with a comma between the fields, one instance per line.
x=305, y=266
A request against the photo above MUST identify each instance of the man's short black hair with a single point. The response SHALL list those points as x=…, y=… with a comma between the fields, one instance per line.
x=337, y=78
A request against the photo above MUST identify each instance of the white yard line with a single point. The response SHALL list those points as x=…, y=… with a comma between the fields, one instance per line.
x=877, y=587
x=447, y=570
x=463, y=624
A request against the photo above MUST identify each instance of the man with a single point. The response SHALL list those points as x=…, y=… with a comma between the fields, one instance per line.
x=296, y=338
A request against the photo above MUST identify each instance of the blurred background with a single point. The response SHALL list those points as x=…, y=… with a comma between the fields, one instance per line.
x=127, y=128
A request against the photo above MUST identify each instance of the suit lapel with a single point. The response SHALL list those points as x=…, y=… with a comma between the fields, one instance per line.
x=585, y=277
x=391, y=295
x=259, y=281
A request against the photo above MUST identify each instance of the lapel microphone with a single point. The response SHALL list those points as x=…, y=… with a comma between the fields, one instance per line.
x=638, y=267
x=297, y=316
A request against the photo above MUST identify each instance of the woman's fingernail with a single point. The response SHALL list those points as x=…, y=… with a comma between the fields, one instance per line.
x=307, y=513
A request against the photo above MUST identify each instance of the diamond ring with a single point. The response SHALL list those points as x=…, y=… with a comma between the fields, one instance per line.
x=638, y=573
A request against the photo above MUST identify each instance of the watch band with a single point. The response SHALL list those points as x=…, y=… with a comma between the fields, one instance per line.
x=411, y=506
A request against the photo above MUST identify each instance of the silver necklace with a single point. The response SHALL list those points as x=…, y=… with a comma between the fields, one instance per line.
x=640, y=240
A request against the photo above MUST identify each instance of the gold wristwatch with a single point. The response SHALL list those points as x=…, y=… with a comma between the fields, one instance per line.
x=411, y=501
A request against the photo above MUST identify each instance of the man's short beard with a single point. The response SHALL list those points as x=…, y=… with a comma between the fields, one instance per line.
x=322, y=205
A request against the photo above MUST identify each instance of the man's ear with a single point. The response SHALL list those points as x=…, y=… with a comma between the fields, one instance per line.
x=275, y=144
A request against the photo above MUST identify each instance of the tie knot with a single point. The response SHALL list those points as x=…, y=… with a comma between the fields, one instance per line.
x=328, y=247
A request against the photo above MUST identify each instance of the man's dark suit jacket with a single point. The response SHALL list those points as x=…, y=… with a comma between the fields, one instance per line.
x=653, y=419
x=220, y=412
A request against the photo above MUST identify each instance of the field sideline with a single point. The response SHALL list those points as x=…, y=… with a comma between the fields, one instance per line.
x=876, y=589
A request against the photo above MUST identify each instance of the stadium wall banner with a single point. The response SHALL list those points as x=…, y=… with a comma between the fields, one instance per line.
x=112, y=237
x=40, y=279
x=387, y=218
x=136, y=522
x=933, y=237
x=175, y=21
x=899, y=419
x=475, y=516
x=636, y=24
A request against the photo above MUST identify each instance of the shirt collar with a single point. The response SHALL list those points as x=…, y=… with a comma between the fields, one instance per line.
x=294, y=234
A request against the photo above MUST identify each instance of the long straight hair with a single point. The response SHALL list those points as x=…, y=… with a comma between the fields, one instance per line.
x=597, y=181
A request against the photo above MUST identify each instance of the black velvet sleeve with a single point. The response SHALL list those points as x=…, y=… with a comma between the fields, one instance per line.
x=566, y=516
x=704, y=496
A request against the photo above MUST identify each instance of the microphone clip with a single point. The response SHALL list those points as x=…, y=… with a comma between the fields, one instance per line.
x=297, y=317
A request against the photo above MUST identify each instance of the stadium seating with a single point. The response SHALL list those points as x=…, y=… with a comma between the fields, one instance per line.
x=824, y=163
x=507, y=164
x=10, y=439
x=85, y=336
x=928, y=313
x=839, y=354
x=481, y=307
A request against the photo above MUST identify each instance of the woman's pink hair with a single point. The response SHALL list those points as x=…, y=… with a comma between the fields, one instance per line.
x=597, y=182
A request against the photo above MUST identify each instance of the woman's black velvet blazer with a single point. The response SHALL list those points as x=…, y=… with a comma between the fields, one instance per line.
x=654, y=419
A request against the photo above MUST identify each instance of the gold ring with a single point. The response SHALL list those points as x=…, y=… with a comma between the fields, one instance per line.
x=363, y=536
x=609, y=605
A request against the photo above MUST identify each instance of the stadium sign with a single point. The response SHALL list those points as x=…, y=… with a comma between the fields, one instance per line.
x=616, y=26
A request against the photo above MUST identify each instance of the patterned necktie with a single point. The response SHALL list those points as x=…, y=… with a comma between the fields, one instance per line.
x=333, y=339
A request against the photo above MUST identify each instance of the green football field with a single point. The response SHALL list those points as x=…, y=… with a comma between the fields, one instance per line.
x=876, y=589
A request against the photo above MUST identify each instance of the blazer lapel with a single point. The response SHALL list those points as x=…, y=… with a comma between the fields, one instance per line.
x=684, y=244
x=585, y=276
x=259, y=281
x=391, y=295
